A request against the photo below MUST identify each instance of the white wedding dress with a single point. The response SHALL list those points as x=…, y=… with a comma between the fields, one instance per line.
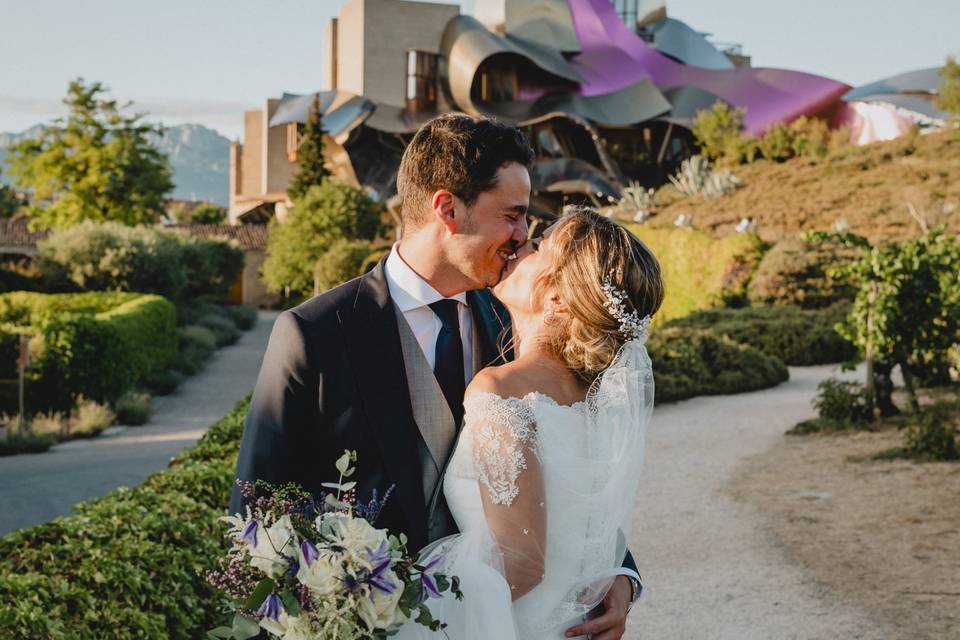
x=541, y=493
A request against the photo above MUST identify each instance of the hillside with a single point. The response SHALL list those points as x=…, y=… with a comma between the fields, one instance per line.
x=871, y=187
x=199, y=157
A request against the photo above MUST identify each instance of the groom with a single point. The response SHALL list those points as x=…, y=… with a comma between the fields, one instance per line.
x=379, y=365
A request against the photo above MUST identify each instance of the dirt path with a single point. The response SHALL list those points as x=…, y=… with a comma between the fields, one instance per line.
x=38, y=488
x=711, y=570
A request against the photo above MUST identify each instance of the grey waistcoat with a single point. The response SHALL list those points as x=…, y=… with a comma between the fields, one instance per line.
x=438, y=434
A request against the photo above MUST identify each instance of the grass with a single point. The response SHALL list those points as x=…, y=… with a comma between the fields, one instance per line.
x=871, y=187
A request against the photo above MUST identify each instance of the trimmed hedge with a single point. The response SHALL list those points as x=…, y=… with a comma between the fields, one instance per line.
x=129, y=565
x=691, y=362
x=797, y=337
x=98, y=345
x=700, y=271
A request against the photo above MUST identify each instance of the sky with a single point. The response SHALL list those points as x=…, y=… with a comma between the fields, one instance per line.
x=207, y=61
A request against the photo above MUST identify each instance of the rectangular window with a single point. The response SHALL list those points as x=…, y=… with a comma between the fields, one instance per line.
x=627, y=10
x=421, y=89
x=293, y=141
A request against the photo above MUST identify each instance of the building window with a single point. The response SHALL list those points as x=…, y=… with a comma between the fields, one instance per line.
x=293, y=141
x=421, y=80
x=627, y=10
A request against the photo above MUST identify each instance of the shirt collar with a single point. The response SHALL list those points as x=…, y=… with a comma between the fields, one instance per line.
x=409, y=290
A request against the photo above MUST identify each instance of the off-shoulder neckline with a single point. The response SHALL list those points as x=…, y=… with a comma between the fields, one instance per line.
x=576, y=406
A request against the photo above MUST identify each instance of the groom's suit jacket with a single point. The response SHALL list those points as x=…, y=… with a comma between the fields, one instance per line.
x=344, y=371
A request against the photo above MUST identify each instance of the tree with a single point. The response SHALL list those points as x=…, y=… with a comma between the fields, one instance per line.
x=207, y=213
x=325, y=214
x=949, y=92
x=313, y=171
x=907, y=310
x=9, y=204
x=719, y=134
x=97, y=165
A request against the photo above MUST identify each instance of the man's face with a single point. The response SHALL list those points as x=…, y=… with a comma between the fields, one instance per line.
x=495, y=227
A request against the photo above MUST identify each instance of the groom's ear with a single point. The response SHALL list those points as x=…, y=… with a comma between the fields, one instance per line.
x=444, y=207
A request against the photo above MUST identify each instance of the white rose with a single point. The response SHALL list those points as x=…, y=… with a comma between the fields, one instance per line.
x=355, y=535
x=273, y=544
x=288, y=627
x=323, y=576
x=380, y=611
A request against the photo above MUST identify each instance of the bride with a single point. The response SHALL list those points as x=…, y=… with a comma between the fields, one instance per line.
x=543, y=482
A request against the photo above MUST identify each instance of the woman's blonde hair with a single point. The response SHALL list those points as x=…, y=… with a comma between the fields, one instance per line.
x=585, y=249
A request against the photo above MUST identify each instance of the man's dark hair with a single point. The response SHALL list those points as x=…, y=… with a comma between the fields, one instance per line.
x=459, y=154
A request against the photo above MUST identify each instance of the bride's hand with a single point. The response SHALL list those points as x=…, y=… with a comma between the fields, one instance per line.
x=613, y=622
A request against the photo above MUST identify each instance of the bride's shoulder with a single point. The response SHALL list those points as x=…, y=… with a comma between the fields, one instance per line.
x=503, y=391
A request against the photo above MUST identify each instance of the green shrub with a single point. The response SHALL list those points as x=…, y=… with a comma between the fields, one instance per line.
x=342, y=262
x=225, y=332
x=111, y=256
x=206, y=213
x=719, y=134
x=692, y=362
x=197, y=337
x=129, y=565
x=16, y=281
x=190, y=360
x=842, y=402
x=699, y=270
x=89, y=419
x=799, y=271
x=777, y=143
x=28, y=442
x=373, y=259
x=934, y=435
x=164, y=382
x=245, y=318
x=98, y=345
x=134, y=408
x=795, y=336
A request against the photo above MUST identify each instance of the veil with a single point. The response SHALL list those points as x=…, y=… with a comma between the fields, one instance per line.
x=545, y=539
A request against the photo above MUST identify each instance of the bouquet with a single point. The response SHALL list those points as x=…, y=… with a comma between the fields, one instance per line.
x=303, y=570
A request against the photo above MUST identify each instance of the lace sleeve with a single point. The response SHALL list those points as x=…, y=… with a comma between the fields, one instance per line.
x=507, y=460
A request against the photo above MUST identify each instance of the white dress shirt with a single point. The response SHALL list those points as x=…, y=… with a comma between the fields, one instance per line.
x=412, y=295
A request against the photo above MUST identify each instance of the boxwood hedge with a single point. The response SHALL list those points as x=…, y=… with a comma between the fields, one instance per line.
x=131, y=564
x=98, y=345
x=796, y=336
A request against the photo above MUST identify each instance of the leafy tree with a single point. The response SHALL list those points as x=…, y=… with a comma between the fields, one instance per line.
x=208, y=213
x=719, y=134
x=313, y=171
x=343, y=261
x=949, y=93
x=8, y=202
x=907, y=309
x=325, y=214
x=97, y=165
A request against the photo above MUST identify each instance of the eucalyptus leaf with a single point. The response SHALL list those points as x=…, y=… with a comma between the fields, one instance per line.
x=245, y=627
x=220, y=632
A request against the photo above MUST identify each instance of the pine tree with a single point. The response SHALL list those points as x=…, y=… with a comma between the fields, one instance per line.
x=312, y=169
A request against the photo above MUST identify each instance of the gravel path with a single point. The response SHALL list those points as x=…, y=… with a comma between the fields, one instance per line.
x=37, y=488
x=711, y=570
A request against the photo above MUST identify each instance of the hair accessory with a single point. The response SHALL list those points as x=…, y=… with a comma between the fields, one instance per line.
x=632, y=326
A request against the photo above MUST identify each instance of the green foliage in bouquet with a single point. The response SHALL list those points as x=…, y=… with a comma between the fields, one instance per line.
x=299, y=567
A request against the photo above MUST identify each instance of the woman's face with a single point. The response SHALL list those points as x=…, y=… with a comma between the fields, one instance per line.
x=516, y=287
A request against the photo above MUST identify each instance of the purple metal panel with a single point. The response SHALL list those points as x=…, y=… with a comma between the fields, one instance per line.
x=612, y=57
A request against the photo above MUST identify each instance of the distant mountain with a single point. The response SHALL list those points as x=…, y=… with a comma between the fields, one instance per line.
x=199, y=157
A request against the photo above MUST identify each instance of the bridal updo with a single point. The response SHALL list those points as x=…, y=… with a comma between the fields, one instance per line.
x=586, y=248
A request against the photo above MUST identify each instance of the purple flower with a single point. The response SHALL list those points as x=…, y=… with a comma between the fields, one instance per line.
x=427, y=581
x=249, y=533
x=309, y=551
x=271, y=607
x=379, y=576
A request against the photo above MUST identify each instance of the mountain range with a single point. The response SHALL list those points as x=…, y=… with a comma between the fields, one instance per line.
x=199, y=157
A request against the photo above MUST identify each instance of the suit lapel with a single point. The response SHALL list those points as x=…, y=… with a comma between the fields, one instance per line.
x=492, y=328
x=374, y=344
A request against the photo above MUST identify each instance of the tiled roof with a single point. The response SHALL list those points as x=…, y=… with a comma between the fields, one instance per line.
x=248, y=236
x=14, y=233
